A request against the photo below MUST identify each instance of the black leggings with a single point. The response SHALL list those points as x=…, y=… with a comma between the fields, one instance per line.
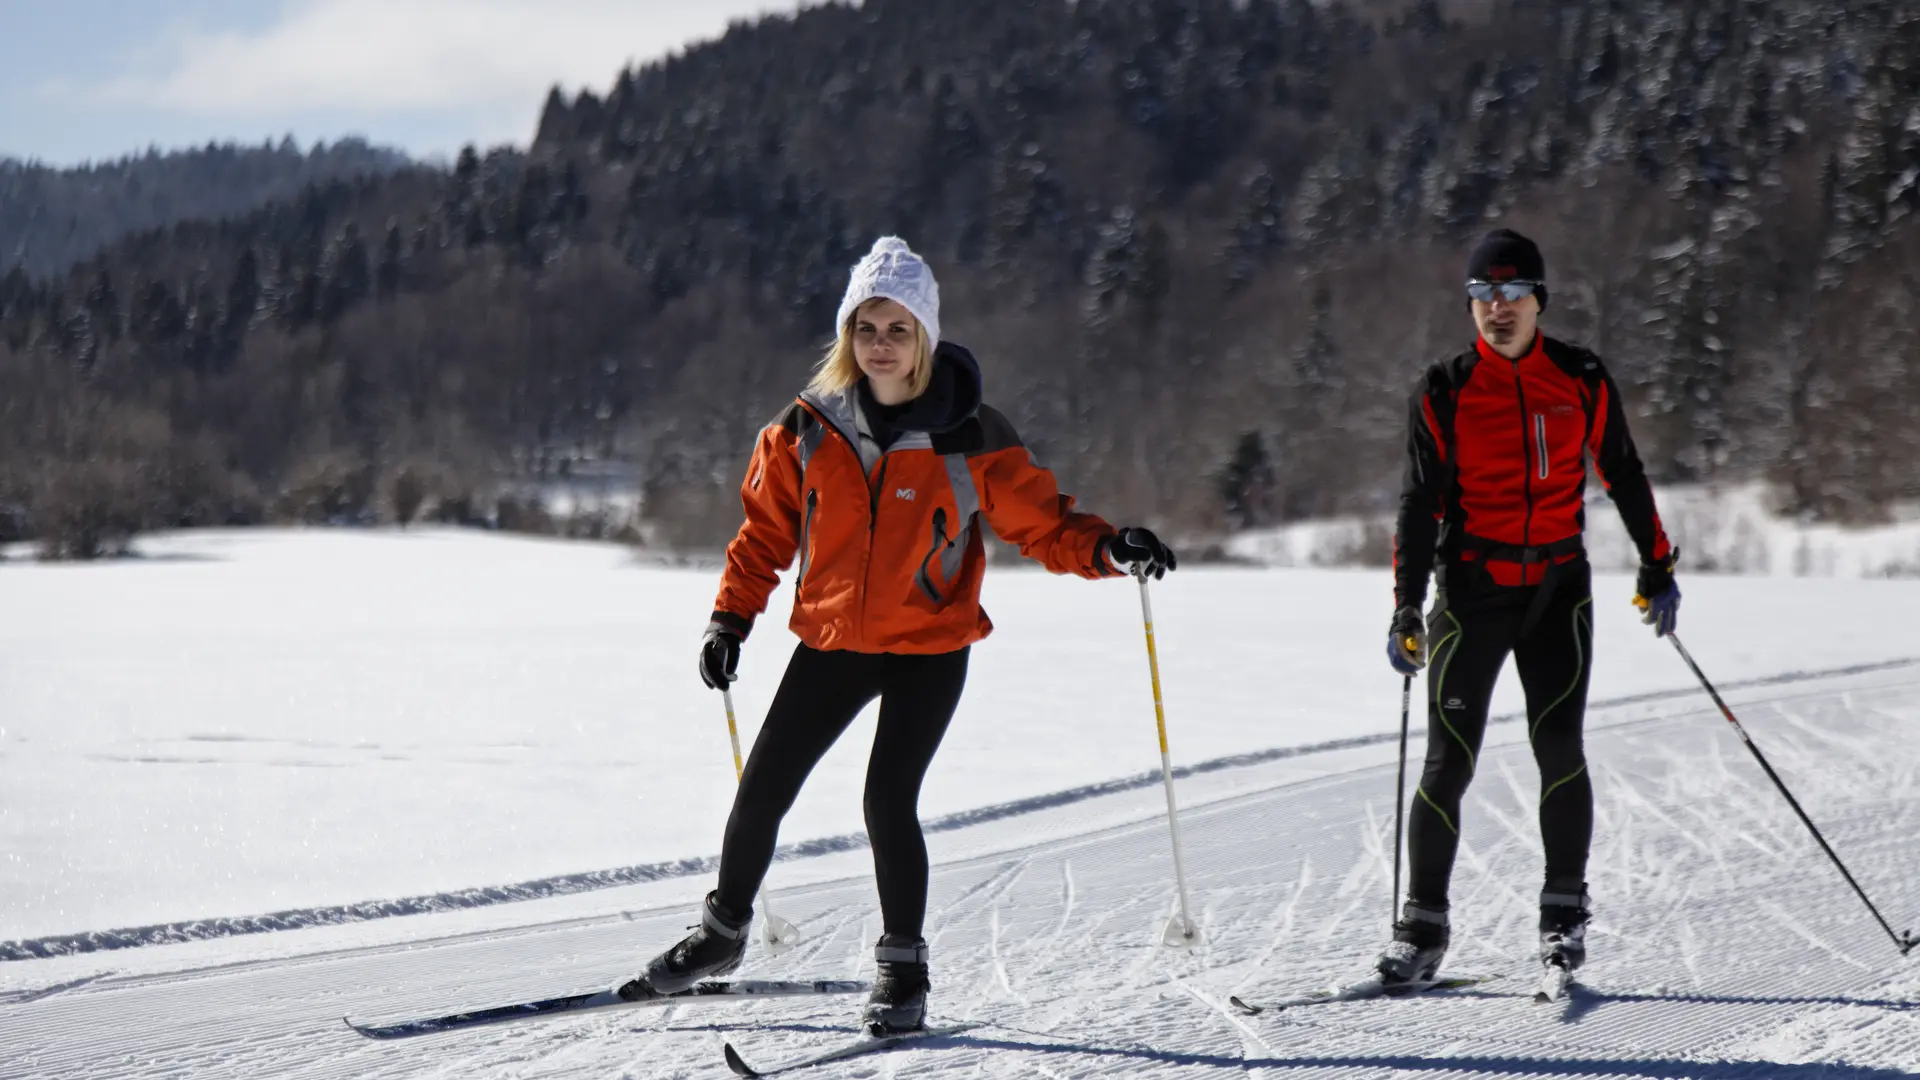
x=1554, y=659
x=818, y=698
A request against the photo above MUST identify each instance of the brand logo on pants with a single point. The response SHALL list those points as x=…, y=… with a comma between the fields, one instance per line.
x=1455, y=703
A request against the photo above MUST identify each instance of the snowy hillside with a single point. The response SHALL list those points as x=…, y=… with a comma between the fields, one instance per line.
x=331, y=727
x=1721, y=530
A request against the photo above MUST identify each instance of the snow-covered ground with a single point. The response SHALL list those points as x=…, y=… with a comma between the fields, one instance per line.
x=255, y=722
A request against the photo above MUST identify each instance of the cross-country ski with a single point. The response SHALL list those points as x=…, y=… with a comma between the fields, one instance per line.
x=1372, y=986
x=859, y=1046
x=632, y=995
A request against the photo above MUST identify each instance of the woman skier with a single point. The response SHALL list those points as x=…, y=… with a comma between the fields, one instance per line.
x=877, y=477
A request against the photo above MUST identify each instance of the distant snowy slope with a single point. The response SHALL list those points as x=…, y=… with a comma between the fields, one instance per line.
x=1721, y=530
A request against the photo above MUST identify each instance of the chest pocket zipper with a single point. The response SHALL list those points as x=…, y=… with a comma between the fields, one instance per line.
x=923, y=579
x=951, y=550
x=1540, y=441
x=806, y=529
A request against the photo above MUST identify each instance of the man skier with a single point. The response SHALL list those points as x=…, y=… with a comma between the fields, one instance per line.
x=1492, y=503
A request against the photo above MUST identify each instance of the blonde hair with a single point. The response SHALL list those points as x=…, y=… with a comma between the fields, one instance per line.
x=838, y=370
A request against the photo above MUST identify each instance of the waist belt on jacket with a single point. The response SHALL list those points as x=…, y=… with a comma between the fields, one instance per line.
x=1554, y=556
x=1493, y=551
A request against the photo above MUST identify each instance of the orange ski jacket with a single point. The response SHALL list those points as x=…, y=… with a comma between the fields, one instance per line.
x=889, y=544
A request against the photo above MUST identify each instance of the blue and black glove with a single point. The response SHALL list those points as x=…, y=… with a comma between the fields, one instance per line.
x=1657, y=595
x=1407, y=642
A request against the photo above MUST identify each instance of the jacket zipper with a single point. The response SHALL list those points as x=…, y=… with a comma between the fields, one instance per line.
x=873, y=506
x=1540, y=442
x=878, y=484
x=1526, y=449
x=806, y=529
x=875, y=486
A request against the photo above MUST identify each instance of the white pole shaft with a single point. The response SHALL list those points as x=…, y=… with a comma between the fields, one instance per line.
x=1179, y=863
x=1166, y=759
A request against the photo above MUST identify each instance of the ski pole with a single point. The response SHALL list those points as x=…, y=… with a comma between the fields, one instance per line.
x=1400, y=791
x=779, y=932
x=1905, y=942
x=1180, y=931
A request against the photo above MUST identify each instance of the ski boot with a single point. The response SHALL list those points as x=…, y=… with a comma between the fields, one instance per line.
x=899, y=1000
x=714, y=948
x=1563, y=927
x=1419, y=943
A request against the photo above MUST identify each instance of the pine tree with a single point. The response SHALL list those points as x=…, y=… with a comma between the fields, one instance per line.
x=348, y=274
x=387, y=276
x=156, y=320
x=103, y=308
x=1259, y=230
x=1246, y=483
x=1127, y=275
x=243, y=299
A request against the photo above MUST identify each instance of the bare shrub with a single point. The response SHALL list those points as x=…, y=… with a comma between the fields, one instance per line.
x=89, y=509
x=524, y=514
x=407, y=491
x=327, y=489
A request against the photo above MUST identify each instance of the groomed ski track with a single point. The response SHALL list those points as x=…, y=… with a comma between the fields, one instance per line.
x=1724, y=945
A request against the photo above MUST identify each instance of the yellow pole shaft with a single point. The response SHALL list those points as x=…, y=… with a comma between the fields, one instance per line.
x=733, y=733
x=1166, y=760
x=1153, y=668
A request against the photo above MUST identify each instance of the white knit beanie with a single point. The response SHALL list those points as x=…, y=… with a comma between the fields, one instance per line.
x=892, y=270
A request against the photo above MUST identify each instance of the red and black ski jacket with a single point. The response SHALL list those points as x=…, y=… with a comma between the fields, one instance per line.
x=1497, y=454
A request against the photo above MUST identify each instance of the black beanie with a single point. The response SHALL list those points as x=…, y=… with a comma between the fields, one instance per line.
x=1504, y=255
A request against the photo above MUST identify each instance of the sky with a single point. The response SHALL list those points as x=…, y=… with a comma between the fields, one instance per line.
x=92, y=80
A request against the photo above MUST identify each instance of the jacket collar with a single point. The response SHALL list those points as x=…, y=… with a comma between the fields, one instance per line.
x=1492, y=356
x=952, y=399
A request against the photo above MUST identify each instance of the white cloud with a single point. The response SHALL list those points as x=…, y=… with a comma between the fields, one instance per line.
x=377, y=58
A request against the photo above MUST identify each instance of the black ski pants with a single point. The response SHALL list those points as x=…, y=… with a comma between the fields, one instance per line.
x=1554, y=657
x=818, y=699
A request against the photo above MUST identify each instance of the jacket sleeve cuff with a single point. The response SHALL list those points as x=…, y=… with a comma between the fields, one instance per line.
x=727, y=620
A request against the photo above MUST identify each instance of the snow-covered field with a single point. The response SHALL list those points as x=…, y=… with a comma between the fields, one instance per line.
x=333, y=725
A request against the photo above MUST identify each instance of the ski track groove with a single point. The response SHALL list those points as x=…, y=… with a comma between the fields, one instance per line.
x=1072, y=925
x=22, y=997
x=1284, y=929
x=1066, y=898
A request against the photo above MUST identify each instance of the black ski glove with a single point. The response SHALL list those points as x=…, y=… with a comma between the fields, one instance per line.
x=1136, y=549
x=1657, y=595
x=719, y=656
x=1407, y=641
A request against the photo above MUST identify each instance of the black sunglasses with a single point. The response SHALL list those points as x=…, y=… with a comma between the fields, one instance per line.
x=1510, y=291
